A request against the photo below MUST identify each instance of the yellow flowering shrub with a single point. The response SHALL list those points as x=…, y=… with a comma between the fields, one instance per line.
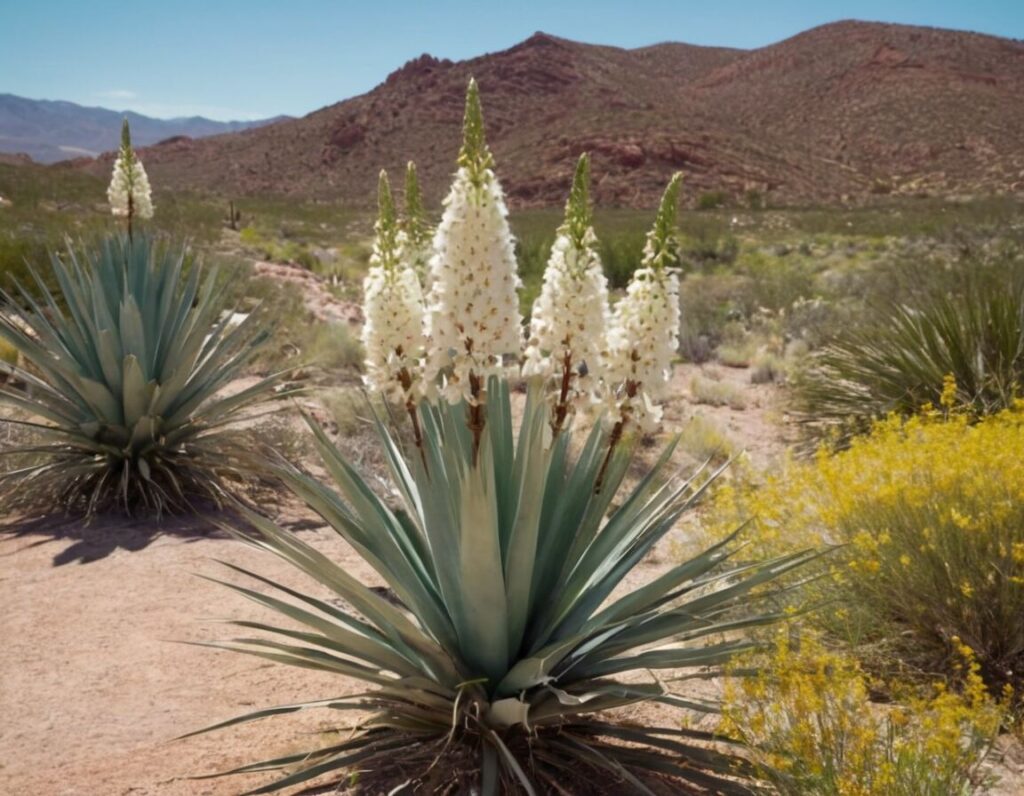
x=929, y=513
x=813, y=731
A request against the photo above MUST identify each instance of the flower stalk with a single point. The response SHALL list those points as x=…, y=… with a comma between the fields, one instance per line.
x=129, y=191
x=645, y=328
x=393, y=332
x=473, y=319
x=415, y=232
x=570, y=316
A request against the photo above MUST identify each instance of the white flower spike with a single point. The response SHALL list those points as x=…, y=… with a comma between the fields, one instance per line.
x=568, y=338
x=129, y=193
x=393, y=331
x=473, y=318
x=644, y=336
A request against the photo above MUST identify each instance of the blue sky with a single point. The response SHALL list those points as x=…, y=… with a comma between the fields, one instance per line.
x=244, y=60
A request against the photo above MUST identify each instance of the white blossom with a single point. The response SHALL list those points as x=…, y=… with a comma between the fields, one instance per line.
x=473, y=318
x=129, y=192
x=570, y=316
x=644, y=334
x=393, y=307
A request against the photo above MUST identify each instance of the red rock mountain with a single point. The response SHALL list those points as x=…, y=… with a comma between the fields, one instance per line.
x=837, y=112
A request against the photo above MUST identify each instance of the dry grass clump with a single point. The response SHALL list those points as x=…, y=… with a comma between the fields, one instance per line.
x=703, y=439
x=768, y=368
x=717, y=393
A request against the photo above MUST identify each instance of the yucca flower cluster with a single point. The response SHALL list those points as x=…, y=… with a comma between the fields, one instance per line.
x=445, y=330
x=129, y=192
x=644, y=334
x=393, y=304
x=567, y=336
x=473, y=319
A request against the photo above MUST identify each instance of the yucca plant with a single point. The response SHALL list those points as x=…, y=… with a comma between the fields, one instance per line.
x=903, y=359
x=121, y=377
x=514, y=638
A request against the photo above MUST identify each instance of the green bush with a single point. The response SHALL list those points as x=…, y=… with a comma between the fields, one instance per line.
x=621, y=253
x=123, y=377
x=712, y=200
x=901, y=361
x=503, y=667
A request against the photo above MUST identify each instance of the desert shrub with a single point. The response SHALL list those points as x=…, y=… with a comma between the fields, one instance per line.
x=17, y=252
x=901, y=361
x=250, y=236
x=707, y=246
x=621, y=252
x=505, y=666
x=290, y=251
x=755, y=199
x=930, y=512
x=774, y=282
x=347, y=409
x=712, y=200
x=332, y=346
x=532, y=251
x=768, y=368
x=735, y=356
x=706, y=306
x=716, y=393
x=813, y=731
x=704, y=440
x=123, y=376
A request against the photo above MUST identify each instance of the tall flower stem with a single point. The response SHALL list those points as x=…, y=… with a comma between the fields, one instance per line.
x=562, y=407
x=406, y=380
x=631, y=388
x=568, y=325
x=129, y=192
x=473, y=320
x=477, y=416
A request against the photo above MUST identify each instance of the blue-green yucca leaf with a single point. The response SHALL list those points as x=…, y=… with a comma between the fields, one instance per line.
x=510, y=637
x=125, y=364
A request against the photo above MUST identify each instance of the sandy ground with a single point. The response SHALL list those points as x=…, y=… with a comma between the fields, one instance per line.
x=95, y=684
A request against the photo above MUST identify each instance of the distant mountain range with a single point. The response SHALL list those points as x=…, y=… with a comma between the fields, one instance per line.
x=49, y=131
x=842, y=112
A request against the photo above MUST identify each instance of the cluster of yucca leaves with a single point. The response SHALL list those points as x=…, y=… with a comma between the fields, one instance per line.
x=122, y=368
x=509, y=645
x=900, y=362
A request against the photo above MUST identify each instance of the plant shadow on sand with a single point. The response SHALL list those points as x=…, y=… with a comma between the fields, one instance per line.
x=95, y=539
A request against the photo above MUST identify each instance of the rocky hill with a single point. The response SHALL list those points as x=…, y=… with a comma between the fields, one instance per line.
x=840, y=112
